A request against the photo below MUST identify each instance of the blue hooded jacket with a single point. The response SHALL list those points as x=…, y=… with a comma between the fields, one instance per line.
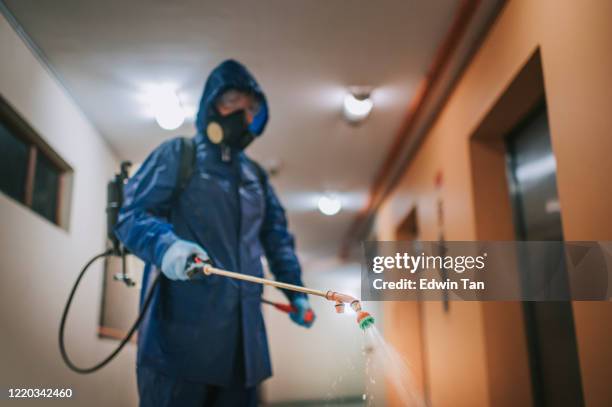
x=210, y=329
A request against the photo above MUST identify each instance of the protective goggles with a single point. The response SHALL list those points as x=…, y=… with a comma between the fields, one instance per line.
x=233, y=99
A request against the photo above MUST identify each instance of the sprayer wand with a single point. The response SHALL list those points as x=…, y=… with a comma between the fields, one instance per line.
x=364, y=319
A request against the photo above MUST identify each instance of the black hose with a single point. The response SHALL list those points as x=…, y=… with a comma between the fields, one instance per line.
x=125, y=340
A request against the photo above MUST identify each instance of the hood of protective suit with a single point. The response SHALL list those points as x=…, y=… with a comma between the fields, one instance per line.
x=231, y=74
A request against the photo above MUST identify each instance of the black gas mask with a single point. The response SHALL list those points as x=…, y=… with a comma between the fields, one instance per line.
x=231, y=130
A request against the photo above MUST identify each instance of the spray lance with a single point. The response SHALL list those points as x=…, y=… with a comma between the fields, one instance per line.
x=364, y=319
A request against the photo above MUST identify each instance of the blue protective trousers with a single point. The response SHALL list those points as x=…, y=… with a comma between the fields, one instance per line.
x=158, y=390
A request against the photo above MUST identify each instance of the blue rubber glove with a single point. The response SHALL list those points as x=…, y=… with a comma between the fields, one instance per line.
x=175, y=259
x=302, y=306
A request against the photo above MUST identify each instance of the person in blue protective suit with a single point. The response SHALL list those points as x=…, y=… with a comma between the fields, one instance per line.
x=202, y=341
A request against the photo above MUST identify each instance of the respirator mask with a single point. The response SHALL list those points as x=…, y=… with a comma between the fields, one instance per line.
x=231, y=130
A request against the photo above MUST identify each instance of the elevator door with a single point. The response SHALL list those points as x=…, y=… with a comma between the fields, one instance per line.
x=553, y=357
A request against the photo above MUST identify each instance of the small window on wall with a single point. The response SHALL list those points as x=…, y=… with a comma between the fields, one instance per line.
x=30, y=171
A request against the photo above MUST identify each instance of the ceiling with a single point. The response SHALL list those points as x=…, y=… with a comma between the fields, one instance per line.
x=304, y=54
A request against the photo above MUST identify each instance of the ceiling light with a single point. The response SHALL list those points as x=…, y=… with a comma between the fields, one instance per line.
x=357, y=106
x=166, y=107
x=329, y=205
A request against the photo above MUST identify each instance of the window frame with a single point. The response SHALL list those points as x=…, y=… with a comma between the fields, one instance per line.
x=21, y=129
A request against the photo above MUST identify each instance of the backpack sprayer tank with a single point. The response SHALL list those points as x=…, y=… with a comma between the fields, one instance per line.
x=114, y=200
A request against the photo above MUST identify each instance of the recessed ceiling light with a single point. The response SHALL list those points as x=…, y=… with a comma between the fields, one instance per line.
x=329, y=205
x=166, y=106
x=357, y=106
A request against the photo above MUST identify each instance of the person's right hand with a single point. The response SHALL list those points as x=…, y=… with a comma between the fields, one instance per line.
x=174, y=262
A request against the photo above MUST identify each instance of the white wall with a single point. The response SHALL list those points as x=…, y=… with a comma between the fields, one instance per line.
x=39, y=260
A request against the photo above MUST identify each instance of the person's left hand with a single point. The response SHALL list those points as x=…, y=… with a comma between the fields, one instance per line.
x=302, y=307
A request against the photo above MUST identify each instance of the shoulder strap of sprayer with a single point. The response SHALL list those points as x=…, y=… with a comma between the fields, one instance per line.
x=188, y=163
x=260, y=172
x=262, y=177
